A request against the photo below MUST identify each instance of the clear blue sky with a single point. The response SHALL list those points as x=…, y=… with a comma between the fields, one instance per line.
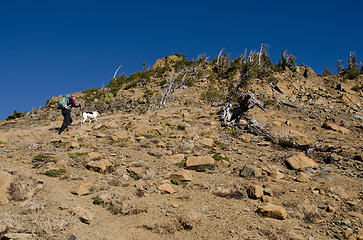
x=49, y=48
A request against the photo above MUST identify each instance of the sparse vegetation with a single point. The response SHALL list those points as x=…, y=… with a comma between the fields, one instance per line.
x=55, y=172
x=77, y=154
x=15, y=115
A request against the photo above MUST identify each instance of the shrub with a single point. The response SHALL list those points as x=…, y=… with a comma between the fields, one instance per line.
x=91, y=94
x=55, y=172
x=326, y=72
x=15, y=115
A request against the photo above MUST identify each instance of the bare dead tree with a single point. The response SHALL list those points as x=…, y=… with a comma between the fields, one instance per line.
x=168, y=90
x=114, y=75
x=260, y=56
x=219, y=55
x=231, y=113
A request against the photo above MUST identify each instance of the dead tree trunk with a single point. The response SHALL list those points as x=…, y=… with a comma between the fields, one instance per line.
x=231, y=114
x=167, y=90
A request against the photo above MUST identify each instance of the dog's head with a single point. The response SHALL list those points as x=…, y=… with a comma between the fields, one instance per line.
x=99, y=112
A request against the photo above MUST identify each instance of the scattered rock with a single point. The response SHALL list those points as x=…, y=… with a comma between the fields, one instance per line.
x=335, y=127
x=17, y=236
x=189, y=219
x=207, y=142
x=5, y=180
x=300, y=161
x=356, y=214
x=248, y=171
x=120, y=135
x=174, y=159
x=83, y=214
x=276, y=174
x=302, y=177
x=166, y=188
x=92, y=156
x=273, y=211
x=266, y=198
x=100, y=135
x=255, y=191
x=82, y=189
x=181, y=176
x=193, y=162
x=101, y=166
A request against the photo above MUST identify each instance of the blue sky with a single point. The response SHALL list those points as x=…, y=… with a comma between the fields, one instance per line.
x=49, y=48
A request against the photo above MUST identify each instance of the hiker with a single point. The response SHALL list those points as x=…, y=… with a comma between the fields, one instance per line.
x=65, y=104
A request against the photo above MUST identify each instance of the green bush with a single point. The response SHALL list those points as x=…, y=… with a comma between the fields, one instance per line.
x=91, y=94
x=15, y=115
x=55, y=172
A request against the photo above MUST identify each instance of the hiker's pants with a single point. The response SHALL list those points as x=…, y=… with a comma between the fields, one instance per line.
x=67, y=119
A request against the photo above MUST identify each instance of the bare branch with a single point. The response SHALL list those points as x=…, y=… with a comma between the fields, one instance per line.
x=168, y=90
x=116, y=71
x=219, y=55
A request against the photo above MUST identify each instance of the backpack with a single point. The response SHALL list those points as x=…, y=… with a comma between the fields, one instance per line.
x=64, y=102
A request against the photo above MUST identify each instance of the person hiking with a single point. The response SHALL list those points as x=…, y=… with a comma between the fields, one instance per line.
x=65, y=104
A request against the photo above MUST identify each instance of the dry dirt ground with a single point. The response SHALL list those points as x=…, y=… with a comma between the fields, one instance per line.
x=176, y=173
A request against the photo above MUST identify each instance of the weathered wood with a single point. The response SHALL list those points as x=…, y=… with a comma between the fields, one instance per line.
x=231, y=113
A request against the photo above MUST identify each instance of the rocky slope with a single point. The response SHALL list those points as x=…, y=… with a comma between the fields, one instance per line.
x=176, y=173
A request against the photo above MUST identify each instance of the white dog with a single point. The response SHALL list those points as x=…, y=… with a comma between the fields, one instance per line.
x=91, y=116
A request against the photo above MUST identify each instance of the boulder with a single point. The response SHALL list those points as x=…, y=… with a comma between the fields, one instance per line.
x=272, y=211
x=300, y=161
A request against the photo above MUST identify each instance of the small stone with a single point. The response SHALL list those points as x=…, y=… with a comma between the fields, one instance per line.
x=300, y=161
x=181, y=176
x=322, y=206
x=82, y=189
x=302, y=177
x=100, y=166
x=100, y=135
x=193, y=162
x=335, y=127
x=73, y=145
x=248, y=171
x=17, y=236
x=207, y=142
x=174, y=159
x=356, y=214
x=255, y=191
x=120, y=135
x=94, y=156
x=265, y=198
x=331, y=209
x=83, y=214
x=273, y=211
x=166, y=187
x=276, y=174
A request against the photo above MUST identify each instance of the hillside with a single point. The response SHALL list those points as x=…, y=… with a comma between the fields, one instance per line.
x=149, y=169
